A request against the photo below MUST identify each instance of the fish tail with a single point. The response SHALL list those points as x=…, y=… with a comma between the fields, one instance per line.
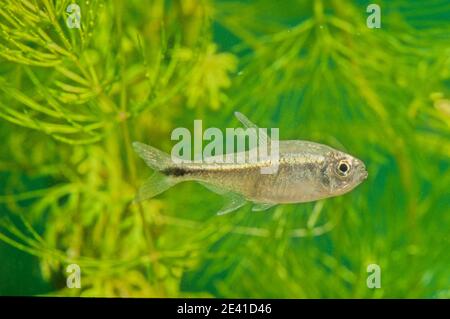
x=156, y=159
x=155, y=185
x=160, y=181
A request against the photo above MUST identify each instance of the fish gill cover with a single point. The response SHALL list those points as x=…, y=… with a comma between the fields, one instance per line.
x=79, y=84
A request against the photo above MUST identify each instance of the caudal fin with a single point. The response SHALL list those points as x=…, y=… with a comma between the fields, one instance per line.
x=158, y=182
x=155, y=185
x=156, y=159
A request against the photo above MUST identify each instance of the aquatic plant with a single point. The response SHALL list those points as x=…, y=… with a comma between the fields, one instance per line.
x=73, y=100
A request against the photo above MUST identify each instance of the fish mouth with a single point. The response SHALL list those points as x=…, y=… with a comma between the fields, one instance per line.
x=363, y=174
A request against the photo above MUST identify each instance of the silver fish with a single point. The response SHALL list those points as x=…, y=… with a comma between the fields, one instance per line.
x=307, y=171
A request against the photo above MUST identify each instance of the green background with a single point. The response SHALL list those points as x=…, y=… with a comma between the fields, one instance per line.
x=73, y=100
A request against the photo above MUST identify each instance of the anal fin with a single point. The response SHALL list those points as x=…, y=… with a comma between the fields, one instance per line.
x=259, y=207
x=155, y=184
x=233, y=202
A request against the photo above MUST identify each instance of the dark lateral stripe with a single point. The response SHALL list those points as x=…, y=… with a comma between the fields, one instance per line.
x=175, y=171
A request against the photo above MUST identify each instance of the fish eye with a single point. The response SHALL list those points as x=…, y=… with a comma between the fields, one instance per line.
x=343, y=168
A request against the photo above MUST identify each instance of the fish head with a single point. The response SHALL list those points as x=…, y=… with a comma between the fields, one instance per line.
x=342, y=172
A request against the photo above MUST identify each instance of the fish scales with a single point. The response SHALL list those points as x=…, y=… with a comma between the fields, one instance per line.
x=295, y=171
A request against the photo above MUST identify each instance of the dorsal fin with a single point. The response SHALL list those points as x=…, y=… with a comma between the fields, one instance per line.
x=263, y=137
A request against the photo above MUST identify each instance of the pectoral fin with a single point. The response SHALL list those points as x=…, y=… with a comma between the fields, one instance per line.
x=233, y=202
x=259, y=207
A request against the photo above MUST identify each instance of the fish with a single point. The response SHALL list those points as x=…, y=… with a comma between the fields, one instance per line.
x=307, y=171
